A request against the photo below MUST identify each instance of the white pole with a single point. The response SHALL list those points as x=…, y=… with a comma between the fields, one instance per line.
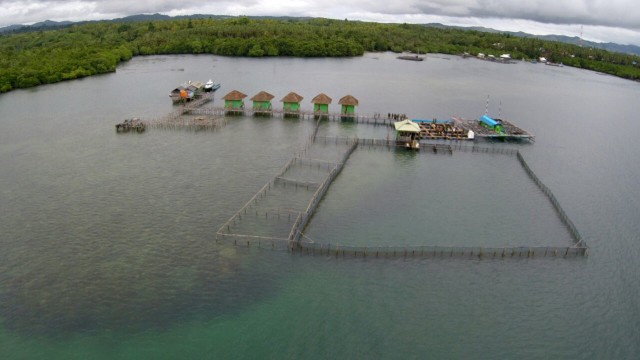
x=486, y=108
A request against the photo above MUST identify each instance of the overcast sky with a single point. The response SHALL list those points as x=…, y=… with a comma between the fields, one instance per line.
x=599, y=20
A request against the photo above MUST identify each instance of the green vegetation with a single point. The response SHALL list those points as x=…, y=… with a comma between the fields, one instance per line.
x=40, y=57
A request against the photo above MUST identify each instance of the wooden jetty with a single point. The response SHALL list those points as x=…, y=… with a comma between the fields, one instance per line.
x=375, y=119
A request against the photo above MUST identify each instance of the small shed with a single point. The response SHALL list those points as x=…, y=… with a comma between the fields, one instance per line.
x=321, y=103
x=406, y=127
x=182, y=93
x=291, y=102
x=408, y=133
x=262, y=101
x=349, y=104
x=234, y=100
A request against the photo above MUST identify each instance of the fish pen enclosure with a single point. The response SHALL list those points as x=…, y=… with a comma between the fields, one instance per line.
x=185, y=117
x=278, y=216
x=178, y=121
x=275, y=215
x=428, y=251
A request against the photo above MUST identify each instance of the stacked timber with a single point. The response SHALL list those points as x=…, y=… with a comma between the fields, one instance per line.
x=134, y=124
x=444, y=131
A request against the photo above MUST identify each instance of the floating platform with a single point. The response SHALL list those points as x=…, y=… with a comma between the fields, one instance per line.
x=509, y=130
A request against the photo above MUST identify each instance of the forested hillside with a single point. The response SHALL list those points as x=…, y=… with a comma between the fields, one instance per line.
x=33, y=58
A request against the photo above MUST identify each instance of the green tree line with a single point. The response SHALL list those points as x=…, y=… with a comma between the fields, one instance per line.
x=40, y=57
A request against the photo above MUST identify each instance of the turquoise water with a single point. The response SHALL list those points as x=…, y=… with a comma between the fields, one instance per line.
x=108, y=241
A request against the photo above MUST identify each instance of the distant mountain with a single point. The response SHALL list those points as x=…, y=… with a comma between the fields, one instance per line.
x=142, y=17
x=48, y=24
x=613, y=47
x=51, y=23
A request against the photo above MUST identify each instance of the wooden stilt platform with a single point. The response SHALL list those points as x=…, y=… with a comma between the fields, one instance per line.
x=376, y=119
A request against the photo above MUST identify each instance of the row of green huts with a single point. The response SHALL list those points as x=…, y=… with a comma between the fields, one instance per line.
x=234, y=101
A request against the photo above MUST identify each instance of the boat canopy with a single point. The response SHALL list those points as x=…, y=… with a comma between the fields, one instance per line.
x=488, y=121
x=407, y=126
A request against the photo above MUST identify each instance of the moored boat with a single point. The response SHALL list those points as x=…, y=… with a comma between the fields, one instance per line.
x=411, y=57
x=210, y=86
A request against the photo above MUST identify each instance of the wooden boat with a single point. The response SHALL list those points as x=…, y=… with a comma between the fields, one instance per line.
x=210, y=86
x=411, y=57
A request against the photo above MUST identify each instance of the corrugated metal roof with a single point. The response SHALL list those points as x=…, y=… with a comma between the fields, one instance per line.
x=407, y=126
x=489, y=121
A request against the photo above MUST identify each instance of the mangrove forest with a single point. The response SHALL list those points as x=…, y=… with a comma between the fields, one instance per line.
x=31, y=58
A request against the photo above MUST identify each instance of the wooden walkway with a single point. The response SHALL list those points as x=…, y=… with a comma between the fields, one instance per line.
x=377, y=119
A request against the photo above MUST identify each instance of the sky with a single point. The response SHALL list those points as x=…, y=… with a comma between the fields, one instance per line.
x=596, y=20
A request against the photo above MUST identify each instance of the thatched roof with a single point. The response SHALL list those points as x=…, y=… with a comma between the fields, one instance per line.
x=234, y=95
x=292, y=98
x=348, y=100
x=262, y=96
x=321, y=98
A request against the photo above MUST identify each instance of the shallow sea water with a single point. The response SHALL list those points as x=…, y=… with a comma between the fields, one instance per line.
x=108, y=241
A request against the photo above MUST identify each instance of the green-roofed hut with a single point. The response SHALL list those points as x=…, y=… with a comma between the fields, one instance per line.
x=291, y=104
x=348, y=109
x=262, y=103
x=234, y=102
x=321, y=104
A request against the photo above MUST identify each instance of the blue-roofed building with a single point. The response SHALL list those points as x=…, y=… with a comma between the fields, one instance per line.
x=490, y=123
